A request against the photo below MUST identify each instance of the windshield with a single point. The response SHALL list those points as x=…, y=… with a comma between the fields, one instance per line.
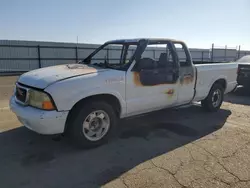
x=115, y=56
x=245, y=59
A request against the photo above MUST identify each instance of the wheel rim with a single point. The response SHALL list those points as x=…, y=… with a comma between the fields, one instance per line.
x=96, y=125
x=216, y=98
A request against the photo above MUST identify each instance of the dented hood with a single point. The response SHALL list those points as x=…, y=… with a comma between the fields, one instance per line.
x=41, y=78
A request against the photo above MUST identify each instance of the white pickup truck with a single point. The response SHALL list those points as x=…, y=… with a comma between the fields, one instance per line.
x=86, y=100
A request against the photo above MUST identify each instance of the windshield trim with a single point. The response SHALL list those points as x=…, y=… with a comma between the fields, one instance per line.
x=106, y=44
x=121, y=60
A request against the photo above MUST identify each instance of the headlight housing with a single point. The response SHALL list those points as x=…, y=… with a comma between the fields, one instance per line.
x=41, y=100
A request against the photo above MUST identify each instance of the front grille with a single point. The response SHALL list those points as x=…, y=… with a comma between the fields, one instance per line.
x=21, y=94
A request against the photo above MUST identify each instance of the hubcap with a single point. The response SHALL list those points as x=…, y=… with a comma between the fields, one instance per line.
x=96, y=125
x=216, y=98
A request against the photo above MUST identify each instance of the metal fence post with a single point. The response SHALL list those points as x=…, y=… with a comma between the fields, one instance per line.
x=76, y=54
x=239, y=52
x=202, y=53
x=108, y=54
x=39, y=56
x=225, y=53
x=212, y=53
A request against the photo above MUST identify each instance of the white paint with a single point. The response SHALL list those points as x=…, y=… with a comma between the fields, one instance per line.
x=67, y=93
x=40, y=121
x=186, y=90
x=207, y=74
x=68, y=86
x=142, y=99
x=41, y=78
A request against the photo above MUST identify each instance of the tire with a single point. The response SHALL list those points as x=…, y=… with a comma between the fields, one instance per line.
x=209, y=103
x=84, y=117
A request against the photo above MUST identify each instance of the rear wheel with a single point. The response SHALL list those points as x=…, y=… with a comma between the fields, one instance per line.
x=93, y=124
x=213, y=101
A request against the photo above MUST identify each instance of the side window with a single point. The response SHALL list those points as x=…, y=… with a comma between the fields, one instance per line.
x=156, y=66
x=130, y=52
x=182, y=55
x=149, y=52
x=160, y=55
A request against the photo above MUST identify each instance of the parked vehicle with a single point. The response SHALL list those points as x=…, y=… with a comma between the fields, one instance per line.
x=85, y=100
x=243, y=77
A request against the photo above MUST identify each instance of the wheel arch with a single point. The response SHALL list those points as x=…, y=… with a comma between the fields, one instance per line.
x=109, y=98
x=208, y=103
x=222, y=82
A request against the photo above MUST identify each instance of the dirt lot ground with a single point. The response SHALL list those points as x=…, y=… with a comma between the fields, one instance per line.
x=172, y=148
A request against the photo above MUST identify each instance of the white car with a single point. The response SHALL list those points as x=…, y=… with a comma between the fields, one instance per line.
x=85, y=100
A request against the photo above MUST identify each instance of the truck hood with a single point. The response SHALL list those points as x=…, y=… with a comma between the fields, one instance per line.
x=42, y=78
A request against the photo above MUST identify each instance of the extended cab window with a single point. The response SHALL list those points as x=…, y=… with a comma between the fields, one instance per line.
x=182, y=53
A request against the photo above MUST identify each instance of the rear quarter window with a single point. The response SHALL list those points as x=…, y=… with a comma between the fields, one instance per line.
x=182, y=55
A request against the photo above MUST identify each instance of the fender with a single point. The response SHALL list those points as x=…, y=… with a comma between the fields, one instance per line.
x=101, y=91
x=67, y=93
x=203, y=91
x=212, y=83
x=221, y=77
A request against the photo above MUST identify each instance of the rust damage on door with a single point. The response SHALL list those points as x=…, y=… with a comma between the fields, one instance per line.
x=185, y=80
x=138, y=81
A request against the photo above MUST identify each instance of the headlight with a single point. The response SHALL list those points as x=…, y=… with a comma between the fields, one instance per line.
x=40, y=100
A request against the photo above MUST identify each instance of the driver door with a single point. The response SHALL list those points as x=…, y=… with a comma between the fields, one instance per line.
x=151, y=83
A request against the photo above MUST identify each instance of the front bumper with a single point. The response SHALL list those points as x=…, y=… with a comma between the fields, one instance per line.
x=40, y=121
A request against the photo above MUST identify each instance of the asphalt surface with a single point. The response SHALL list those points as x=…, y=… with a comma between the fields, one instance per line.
x=172, y=148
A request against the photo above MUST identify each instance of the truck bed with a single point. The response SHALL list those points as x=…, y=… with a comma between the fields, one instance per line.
x=208, y=62
x=207, y=71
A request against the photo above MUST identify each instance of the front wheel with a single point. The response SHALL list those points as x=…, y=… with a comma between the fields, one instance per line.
x=213, y=101
x=93, y=124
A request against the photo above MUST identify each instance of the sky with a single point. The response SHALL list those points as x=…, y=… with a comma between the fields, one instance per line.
x=197, y=22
